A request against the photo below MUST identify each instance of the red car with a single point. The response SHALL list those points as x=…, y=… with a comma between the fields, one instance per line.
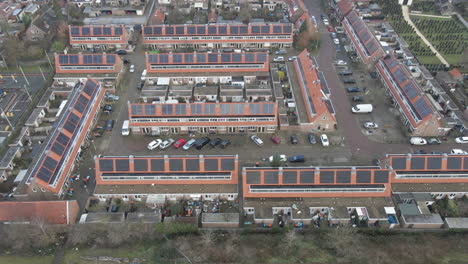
x=179, y=143
x=330, y=29
x=276, y=140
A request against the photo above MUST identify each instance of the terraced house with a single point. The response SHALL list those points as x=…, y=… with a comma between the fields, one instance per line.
x=98, y=37
x=219, y=36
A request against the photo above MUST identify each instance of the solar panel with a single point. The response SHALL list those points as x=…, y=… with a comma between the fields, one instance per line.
x=157, y=30
x=50, y=163
x=191, y=30
x=179, y=30
x=87, y=59
x=287, y=29
x=75, y=31
x=209, y=109
x=192, y=165
x=343, y=177
x=201, y=30
x=352, y=17
x=261, y=57
x=372, y=47
x=418, y=163
x=225, y=109
x=89, y=88
x=434, y=163
x=211, y=164
x=256, y=29
x=97, y=59
x=239, y=109
x=140, y=164
x=97, y=31
x=167, y=109
x=236, y=57
x=400, y=75
x=137, y=109
x=58, y=148
x=201, y=58
x=225, y=57
x=169, y=30
x=63, y=139
x=422, y=107
x=69, y=126
x=391, y=63
x=177, y=58
x=410, y=90
x=327, y=177
x=222, y=30
x=181, y=109
x=175, y=165
x=358, y=26
x=307, y=176
x=79, y=107
x=147, y=30
x=212, y=30
x=254, y=109
x=399, y=163
x=265, y=29
x=73, y=59
x=453, y=163
x=110, y=59
x=270, y=177
x=289, y=177
x=152, y=58
x=122, y=165
x=107, y=31
x=188, y=58
x=106, y=165
x=163, y=58
x=195, y=109
x=150, y=109
x=363, y=177
x=380, y=176
x=268, y=109
x=157, y=165
x=365, y=36
x=212, y=57
x=85, y=31
x=63, y=59
x=244, y=29
x=118, y=31
x=253, y=177
x=277, y=29
x=73, y=118
x=234, y=29
x=44, y=174
x=249, y=57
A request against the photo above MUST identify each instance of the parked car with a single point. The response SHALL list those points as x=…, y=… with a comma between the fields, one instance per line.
x=341, y=62
x=345, y=73
x=325, y=22
x=282, y=158
x=336, y=41
x=126, y=61
x=357, y=98
x=281, y=52
x=257, y=140
x=154, y=144
x=179, y=143
x=418, y=141
x=353, y=89
x=278, y=59
x=312, y=139
x=189, y=144
x=297, y=158
x=324, y=140
x=111, y=97
x=461, y=140
x=333, y=35
x=166, y=143
x=349, y=81
x=370, y=125
x=215, y=142
x=292, y=58
x=108, y=108
x=98, y=131
x=140, y=86
x=293, y=139
x=276, y=140
x=132, y=68
x=433, y=141
x=362, y=108
x=121, y=52
x=420, y=152
x=458, y=152
x=202, y=142
x=330, y=29
x=225, y=143
x=109, y=124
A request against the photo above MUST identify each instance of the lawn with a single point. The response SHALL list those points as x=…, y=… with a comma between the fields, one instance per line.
x=26, y=260
x=28, y=69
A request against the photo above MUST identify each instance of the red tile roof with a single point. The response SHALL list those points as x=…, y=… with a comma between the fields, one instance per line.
x=456, y=73
x=92, y=60
x=345, y=7
x=53, y=212
x=212, y=17
x=158, y=17
x=94, y=31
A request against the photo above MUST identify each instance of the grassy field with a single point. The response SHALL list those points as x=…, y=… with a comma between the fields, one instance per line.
x=26, y=260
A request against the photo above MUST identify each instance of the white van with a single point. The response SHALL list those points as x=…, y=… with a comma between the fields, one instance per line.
x=125, y=129
x=362, y=108
x=143, y=75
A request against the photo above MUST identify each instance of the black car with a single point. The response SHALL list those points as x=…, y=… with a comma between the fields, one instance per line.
x=202, y=142
x=349, y=81
x=121, y=52
x=140, y=86
x=353, y=90
x=293, y=139
x=126, y=61
x=420, y=152
x=357, y=98
x=312, y=139
x=107, y=108
x=215, y=142
x=109, y=124
x=225, y=143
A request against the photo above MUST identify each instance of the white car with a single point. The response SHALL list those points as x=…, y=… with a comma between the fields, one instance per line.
x=418, y=141
x=257, y=140
x=370, y=125
x=154, y=144
x=324, y=140
x=189, y=144
x=132, y=68
x=282, y=158
x=458, y=152
x=278, y=59
x=292, y=58
x=336, y=41
x=325, y=22
x=461, y=140
x=166, y=143
x=341, y=62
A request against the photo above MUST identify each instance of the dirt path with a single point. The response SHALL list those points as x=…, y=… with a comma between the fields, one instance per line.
x=426, y=15
x=408, y=19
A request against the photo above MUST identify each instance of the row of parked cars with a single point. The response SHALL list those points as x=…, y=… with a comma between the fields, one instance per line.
x=293, y=139
x=186, y=145
x=435, y=141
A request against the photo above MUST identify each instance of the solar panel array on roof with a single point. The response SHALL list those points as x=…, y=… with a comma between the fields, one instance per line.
x=265, y=29
x=253, y=177
x=73, y=59
x=307, y=176
x=192, y=165
x=63, y=59
x=195, y=109
x=270, y=177
x=287, y=29
x=211, y=164
x=363, y=176
x=227, y=164
x=75, y=31
x=391, y=63
x=289, y=177
x=97, y=31
x=87, y=59
x=122, y=165
x=163, y=58
x=175, y=165
x=177, y=58
x=327, y=177
x=69, y=126
x=343, y=177
x=358, y=26
x=107, y=31
x=261, y=57
x=110, y=59
x=380, y=176
x=250, y=57
x=50, y=163
x=353, y=17
x=181, y=109
x=179, y=30
x=166, y=109
x=234, y=30
x=422, y=107
x=137, y=109
x=256, y=29
x=44, y=174
x=434, y=163
x=140, y=164
x=372, y=47
x=157, y=30
x=118, y=31
x=188, y=58
x=157, y=164
x=400, y=75
x=169, y=30
x=238, y=109
x=454, y=163
x=58, y=148
x=89, y=88
x=277, y=29
x=63, y=139
x=201, y=58
x=226, y=57
x=79, y=107
x=73, y=118
x=418, y=163
x=209, y=109
x=211, y=30
x=398, y=163
x=268, y=109
x=201, y=30
x=212, y=57
x=97, y=59
x=222, y=30
x=410, y=90
x=85, y=31
x=243, y=29
x=254, y=109
x=364, y=35
x=106, y=165
x=191, y=30
x=152, y=58
x=147, y=31
x=225, y=109
x=236, y=57
x=150, y=109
